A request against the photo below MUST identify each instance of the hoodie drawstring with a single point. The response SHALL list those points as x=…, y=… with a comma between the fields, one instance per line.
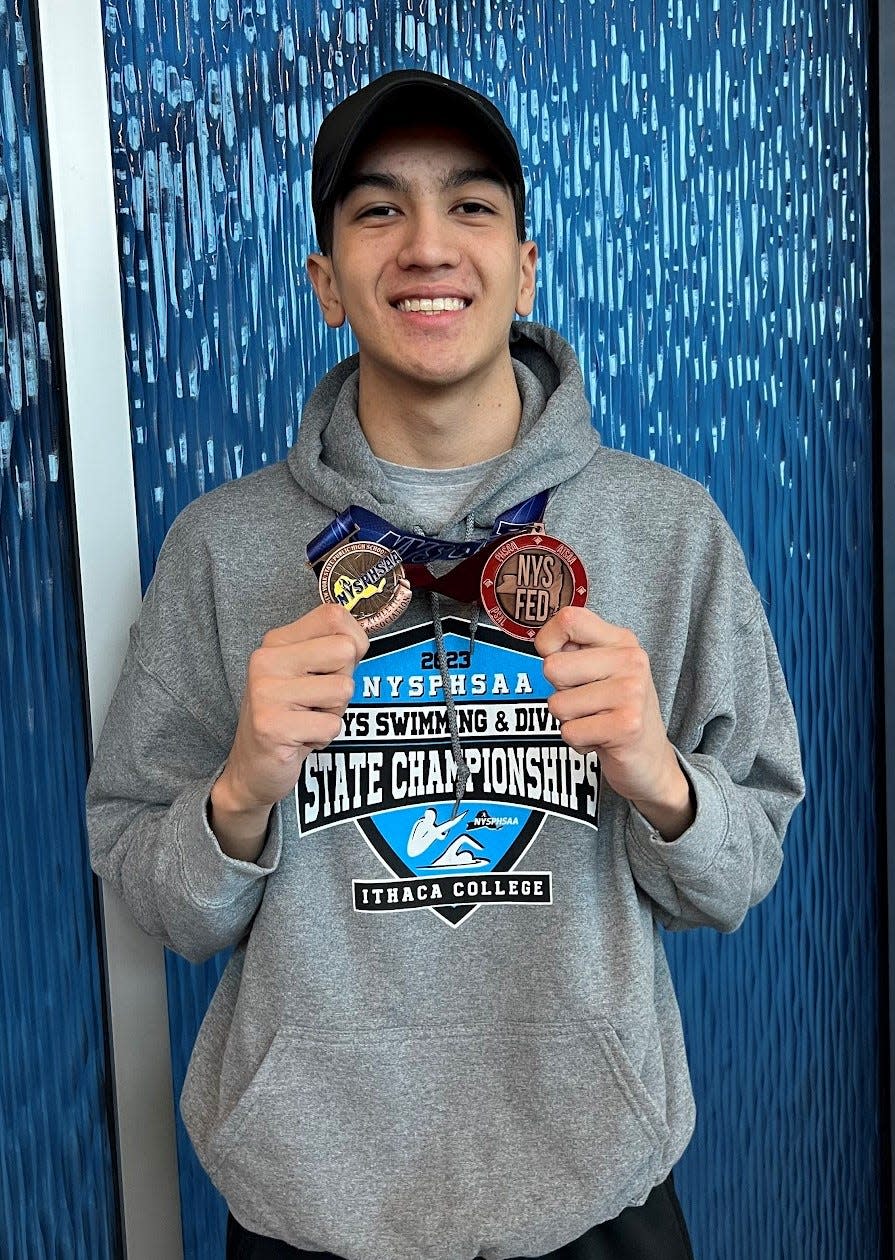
x=463, y=770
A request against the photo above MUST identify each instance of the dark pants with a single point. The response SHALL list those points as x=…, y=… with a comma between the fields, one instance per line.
x=654, y=1231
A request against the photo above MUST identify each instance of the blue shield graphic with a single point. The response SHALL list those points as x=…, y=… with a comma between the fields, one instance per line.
x=398, y=727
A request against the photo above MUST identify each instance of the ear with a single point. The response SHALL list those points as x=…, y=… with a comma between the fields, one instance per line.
x=323, y=278
x=528, y=261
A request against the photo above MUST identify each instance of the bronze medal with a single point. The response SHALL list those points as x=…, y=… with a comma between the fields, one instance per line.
x=527, y=579
x=368, y=580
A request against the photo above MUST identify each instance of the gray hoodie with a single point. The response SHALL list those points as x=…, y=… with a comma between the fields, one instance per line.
x=446, y=1030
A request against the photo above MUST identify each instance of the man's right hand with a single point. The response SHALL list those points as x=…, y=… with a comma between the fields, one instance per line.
x=298, y=685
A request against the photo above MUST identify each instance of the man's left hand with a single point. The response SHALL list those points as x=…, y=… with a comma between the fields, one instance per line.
x=606, y=701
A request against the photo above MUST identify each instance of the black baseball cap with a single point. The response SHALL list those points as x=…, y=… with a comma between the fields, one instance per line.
x=411, y=95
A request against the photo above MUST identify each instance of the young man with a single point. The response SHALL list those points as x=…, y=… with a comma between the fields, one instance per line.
x=440, y=785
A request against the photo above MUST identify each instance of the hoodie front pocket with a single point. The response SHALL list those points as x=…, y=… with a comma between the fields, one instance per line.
x=443, y=1143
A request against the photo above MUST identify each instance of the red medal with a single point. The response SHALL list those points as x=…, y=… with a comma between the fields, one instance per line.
x=368, y=580
x=527, y=579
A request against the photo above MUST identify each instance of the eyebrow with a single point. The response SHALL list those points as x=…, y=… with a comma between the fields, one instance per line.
x=473, y=175
x=456, y=178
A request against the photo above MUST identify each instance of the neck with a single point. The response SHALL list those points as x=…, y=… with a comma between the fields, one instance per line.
x=438, y=426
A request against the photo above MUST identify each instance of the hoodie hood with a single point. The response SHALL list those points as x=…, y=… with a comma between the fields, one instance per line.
x=332, y=460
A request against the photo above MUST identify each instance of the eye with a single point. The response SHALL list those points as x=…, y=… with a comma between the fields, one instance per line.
x=471, y=208
x=377, y=212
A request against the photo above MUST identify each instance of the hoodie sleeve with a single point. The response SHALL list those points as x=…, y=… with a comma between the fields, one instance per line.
x=164, y=742
x=747, y=779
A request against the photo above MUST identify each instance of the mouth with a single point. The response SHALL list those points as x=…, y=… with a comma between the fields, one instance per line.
x=430, y=305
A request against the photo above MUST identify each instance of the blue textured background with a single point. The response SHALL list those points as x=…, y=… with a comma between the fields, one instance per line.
x=57, y=1184
x=697, y=176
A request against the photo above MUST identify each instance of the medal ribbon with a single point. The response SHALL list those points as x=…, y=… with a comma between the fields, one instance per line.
x=357, y=524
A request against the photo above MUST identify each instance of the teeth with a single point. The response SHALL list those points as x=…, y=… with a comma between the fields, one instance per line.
x=430, y=306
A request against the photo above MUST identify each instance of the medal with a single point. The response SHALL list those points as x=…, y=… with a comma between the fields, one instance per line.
x=368, y=580
x=527, y=579
x=519, y=574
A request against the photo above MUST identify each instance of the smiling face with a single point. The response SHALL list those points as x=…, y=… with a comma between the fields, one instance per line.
x=426, y=265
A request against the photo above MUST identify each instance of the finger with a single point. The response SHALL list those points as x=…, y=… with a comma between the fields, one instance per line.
x=280, y=731
x=606, y=696
x=579, y=626
x=312, y=729
x=324, y=620
x=589, y=734
x=609, y=733
x=572, y=669
x=326, y=692
x=334, y=654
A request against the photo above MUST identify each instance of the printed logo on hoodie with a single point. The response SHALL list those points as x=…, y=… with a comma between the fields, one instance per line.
x=393, y=772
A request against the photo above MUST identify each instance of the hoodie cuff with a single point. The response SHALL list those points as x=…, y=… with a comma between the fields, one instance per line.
x=212, y=877
x=696, y=849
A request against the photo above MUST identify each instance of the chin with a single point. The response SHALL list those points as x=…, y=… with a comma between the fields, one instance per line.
x=436, y=378
x=448, y=367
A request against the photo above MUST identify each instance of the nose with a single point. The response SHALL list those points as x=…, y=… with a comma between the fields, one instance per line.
x=428, y=241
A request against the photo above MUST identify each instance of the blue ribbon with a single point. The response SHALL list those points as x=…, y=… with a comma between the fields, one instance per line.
x=356, y=524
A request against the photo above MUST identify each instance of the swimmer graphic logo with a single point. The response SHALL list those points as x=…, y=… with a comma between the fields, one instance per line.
x=394, y=773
